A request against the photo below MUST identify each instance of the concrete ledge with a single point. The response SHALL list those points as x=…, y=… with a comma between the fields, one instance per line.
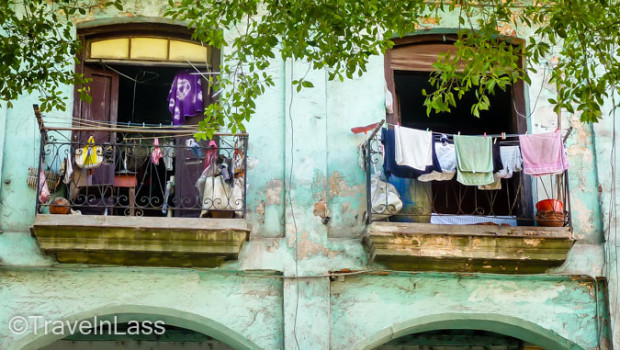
x=468, y=248
x=146, y=241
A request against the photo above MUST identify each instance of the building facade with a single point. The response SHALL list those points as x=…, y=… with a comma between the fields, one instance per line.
x=299, y=256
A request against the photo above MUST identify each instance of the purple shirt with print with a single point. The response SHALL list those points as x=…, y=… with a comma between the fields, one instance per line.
x=185, y=97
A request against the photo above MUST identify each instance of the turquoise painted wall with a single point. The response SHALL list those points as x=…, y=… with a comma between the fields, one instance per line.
x=307, y=158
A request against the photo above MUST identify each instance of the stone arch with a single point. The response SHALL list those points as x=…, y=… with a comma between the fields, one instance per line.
x=505, y=325
x=187, y=320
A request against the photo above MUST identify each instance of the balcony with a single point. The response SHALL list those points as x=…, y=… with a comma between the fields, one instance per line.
x=447, y=226
x=140, y=196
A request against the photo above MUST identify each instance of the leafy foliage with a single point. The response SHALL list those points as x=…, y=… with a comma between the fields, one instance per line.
x=578, y=40
x=341, y=35
x=37, y=44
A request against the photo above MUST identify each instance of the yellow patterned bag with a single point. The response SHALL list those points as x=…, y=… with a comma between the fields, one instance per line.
x=89, y=157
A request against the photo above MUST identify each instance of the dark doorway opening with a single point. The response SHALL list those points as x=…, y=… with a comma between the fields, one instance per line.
x=409, y=87
x=457, y=340
x=451, y=197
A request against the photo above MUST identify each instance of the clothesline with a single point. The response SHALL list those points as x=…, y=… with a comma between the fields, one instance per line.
x=503, y=135
x=448, y=134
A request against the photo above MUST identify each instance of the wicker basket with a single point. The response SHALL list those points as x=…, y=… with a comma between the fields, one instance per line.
x=50, y=177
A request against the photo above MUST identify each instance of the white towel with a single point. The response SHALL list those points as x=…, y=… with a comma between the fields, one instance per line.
x=413, y=148
x=511, y=160
x=447, y=160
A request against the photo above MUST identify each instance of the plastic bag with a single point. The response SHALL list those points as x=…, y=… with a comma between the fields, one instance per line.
x=218, y=195
x=384, y=198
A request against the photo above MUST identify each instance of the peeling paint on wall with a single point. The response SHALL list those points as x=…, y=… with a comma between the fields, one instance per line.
x=274, y=192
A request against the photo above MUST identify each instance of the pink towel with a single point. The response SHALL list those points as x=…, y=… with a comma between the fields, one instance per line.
x=543, y=153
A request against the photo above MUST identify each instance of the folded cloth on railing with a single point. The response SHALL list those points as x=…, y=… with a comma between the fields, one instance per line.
x=447, y=162
x=413, y=148
x=390, y=166
x=472, y=219
x=543, y=154
x=474, y=160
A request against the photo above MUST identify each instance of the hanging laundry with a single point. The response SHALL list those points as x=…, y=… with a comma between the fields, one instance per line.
x=497, y=158
x=44, y=192
x=185, y=97
x=511, y=161
x=169, y=153
x=157, y=153
x=68, y=171
x=413, y=148
x=447, y=161
x=474, y=159
x=390, y=167
x=495, y=185
x=543, y=154
x=211, y=153
x=194, y=147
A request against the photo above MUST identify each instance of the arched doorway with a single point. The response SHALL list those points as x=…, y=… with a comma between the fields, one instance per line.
x=459, y=339
x=171, y=338
x=506, y=329
x=171, y=329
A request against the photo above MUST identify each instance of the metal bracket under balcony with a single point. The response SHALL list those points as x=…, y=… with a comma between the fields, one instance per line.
x=468, y=248
x=142, y=241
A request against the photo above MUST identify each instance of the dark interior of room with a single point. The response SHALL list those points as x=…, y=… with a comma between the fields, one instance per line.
x=497, y=119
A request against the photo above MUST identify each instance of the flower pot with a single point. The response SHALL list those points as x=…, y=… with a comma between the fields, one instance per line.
x=550, y=218
x=550, y=205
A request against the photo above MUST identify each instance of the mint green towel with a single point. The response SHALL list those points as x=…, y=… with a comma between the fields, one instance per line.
x=474, y=160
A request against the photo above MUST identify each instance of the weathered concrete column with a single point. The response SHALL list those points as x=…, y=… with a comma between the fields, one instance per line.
x=306, y=313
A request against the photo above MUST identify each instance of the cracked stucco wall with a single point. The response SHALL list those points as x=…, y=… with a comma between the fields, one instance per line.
x=247, y=306
x=306, y=203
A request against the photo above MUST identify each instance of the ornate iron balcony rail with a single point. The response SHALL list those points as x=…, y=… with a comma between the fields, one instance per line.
x=141, y=173
x=449, y=202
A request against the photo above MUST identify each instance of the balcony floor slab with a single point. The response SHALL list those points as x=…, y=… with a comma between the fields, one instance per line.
x=468, y=248
x=146, y=241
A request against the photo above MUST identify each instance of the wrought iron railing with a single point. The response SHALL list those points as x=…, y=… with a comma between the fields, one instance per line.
x=449, y=202
x=141, y=173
